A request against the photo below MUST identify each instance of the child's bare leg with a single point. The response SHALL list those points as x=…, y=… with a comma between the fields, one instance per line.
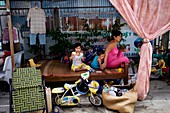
x=83, y=69
x=80, y=69
x=77, y=69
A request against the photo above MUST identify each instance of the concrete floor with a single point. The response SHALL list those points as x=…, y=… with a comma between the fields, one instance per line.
x=157, y=101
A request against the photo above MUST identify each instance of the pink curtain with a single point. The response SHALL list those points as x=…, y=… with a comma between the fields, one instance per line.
x=149, y=19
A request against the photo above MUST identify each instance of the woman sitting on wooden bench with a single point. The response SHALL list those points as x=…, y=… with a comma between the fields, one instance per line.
x=113, y=56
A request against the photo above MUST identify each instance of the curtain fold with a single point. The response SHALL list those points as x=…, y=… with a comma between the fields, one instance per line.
x=149, y=19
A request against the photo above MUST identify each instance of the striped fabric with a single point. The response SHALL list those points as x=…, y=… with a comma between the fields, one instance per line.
x=38, y=19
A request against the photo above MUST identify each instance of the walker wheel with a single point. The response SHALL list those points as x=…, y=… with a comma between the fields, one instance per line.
x=96, y=100
x=56, y=109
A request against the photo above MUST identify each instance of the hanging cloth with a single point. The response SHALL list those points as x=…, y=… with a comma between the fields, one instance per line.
x=5, y=37
x=37, y=18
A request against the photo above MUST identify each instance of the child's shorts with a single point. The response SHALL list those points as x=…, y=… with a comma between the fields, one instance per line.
x=82, y=66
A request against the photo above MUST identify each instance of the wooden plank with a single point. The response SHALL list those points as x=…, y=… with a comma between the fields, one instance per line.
x=10, y=34
x=55, y=71
x=74, y=78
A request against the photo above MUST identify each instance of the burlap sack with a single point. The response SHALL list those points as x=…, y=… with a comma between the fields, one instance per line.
x=123, y=104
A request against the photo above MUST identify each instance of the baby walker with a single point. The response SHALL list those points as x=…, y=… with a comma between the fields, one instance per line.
x=82, y=87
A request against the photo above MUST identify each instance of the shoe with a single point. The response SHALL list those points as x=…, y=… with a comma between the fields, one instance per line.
x=91, y=70
x=32, y=64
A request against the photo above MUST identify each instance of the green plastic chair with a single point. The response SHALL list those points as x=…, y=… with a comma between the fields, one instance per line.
x=27, y=91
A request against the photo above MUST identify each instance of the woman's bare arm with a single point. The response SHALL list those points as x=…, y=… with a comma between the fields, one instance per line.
x=110, y=46
x=108, y=49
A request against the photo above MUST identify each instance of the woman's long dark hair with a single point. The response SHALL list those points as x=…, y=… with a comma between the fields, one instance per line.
x=114, y=33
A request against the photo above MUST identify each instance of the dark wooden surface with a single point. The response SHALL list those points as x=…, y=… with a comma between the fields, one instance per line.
x=55, y=71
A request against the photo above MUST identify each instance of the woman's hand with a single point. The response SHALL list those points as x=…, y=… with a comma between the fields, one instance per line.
x=100, y=64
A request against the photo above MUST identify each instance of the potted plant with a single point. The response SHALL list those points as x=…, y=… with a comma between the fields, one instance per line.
x=61, y=43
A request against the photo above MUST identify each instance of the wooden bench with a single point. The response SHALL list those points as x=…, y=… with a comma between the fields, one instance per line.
x=55, y=71
x=6, y=72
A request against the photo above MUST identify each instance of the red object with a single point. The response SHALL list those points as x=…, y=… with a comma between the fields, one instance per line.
x=7, y=53
x=166, y=69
